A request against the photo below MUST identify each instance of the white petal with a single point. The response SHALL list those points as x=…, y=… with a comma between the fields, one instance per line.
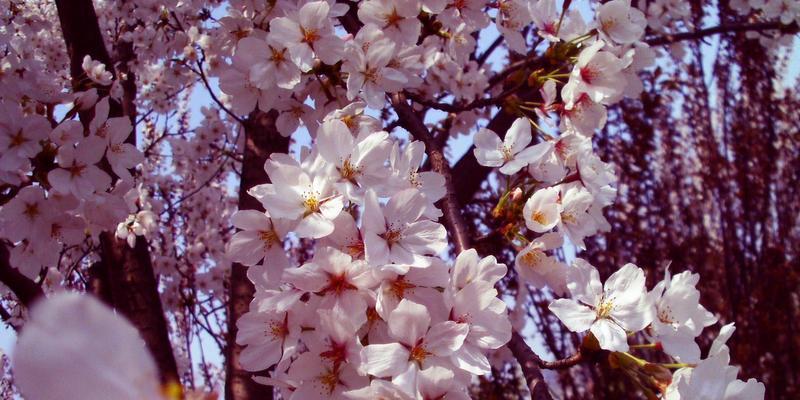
x=610, y=335
x=384, y=360
x=577, y=317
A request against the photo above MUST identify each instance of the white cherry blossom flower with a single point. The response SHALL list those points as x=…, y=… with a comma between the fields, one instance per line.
x=621, y=22
x=269, y=63
x=512, y=153
x=609, y=311
x=542, y=210
x=396, y=18
x=295, y=195
x=359, y=163
x=537, y=268
x=574, y=219
x=96, y=71
x=369, y=73
x=342, y=282
x=679, y=317
x=19, y=136
x=142, y=223
x=397, y=234
x=405, y=167
x=25, y=216
x=308, y=34
x=417, y=344
x=261, y=237
x=597, y=73
x=78, y=173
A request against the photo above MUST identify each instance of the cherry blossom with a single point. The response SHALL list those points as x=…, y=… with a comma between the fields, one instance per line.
x=308, y=34
x=398, y=234
x=512, y=153
x=608, y=310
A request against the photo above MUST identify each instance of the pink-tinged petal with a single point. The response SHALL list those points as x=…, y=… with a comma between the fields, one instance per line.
x=407, y=381
x=584, y=282
x=487, y=145
x=409, y=322
x=446, y=337
x=473, y=298
x=331, y=208
x=329, y=49
x=683, y=348
x=308, y=278
x=373, y=219
x=489, y=330
x=314, y=226
x=576, y=317
x=90, y=150
x=425, y=237
x=314, y=14
x=471, y=359
x=246, y=247
x=284, y=30
x=435, y=382
x=250, y=51
x=118, y=129
x=261, y=357
x=518, y=136
x=405, y=207
x=376, y=249
x=334, y=141
x=251, y=220
x=384, y=360
x=626, y=285
x=609, y=335
x=60, y=180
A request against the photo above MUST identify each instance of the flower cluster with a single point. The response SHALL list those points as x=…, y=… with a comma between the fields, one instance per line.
x=367, y=303
x=376, y=300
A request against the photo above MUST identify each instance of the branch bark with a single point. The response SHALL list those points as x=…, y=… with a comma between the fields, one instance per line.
x=454, y=221
x=529, y=362
x=722, y=29
x=134, y=292
x=261, y=140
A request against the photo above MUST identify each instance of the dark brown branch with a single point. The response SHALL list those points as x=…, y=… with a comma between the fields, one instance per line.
x=26, y=290
x=489, y=50
x=450, y=206
x=529, y=362
x=82, y=37
x=722, y=29
x=134, y=292
x=563, y=363
x=261, y=140
x=478, y=103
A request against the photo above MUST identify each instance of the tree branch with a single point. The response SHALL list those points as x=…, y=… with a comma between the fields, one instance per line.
x=468, y=164
x=722, y=29
x=450, y=207
x=529, y=362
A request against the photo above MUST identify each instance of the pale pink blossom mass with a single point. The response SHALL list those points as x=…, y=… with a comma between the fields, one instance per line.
x=305, y=218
